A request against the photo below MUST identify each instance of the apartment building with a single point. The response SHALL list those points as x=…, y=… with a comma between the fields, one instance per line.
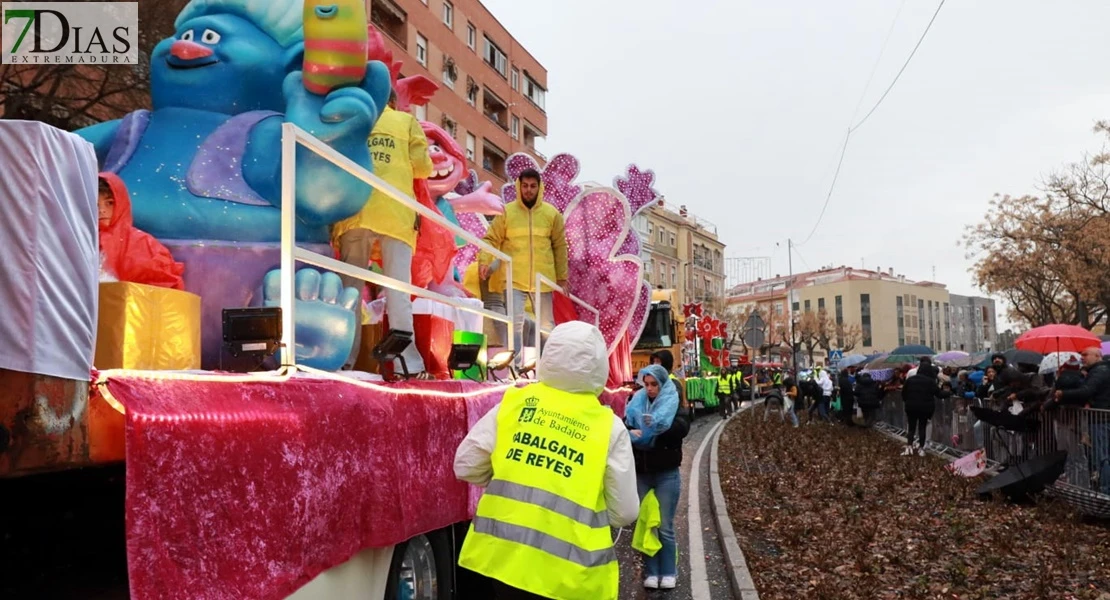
x=974, y=324
x=492, y=92
x=889, y=309
x=681, y=251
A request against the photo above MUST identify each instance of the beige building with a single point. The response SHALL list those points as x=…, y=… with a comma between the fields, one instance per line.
x=889, y=309
x=681, y=252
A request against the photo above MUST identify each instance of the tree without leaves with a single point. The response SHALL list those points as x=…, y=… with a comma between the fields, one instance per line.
x=75, y=96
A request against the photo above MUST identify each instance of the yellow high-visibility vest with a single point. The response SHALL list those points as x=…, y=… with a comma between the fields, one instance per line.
x=724, y=386
x=541, y=524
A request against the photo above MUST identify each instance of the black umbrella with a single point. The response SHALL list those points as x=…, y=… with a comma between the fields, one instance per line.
x=1023, y=357
x=914, y=349
x=1020, y=481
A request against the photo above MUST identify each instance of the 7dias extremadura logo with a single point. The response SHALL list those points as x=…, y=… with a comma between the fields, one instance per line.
x=64, y=33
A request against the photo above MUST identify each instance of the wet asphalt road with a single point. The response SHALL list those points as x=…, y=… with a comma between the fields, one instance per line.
x=631, y=578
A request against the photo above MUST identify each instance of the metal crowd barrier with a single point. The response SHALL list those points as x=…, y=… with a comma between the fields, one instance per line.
x=291, y=136
x=1083, y=432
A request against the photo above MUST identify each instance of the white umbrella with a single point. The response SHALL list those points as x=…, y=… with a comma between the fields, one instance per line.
x=1052, y=361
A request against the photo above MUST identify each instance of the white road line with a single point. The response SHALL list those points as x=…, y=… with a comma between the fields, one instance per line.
x=699, y=574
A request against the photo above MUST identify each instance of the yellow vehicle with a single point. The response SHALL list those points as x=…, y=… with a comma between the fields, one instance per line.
x=664, y=329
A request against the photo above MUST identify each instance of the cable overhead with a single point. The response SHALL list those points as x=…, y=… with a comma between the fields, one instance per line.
x=878, y=59
x=900, y=71
x=852, y=129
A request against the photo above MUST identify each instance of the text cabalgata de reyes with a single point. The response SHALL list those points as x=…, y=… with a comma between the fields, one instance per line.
x=545, y=452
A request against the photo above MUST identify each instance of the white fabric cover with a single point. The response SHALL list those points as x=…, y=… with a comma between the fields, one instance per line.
x=50, y=263
x=575, y=359
x=464, y=320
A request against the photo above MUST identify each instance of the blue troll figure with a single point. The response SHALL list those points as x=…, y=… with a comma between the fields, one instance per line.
x=204, y=166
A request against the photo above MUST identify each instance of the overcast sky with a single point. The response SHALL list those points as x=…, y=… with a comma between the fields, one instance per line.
x=741, y=108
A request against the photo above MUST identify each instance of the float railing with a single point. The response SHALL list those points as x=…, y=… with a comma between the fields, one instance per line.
x=537, y=308
x=291, y=137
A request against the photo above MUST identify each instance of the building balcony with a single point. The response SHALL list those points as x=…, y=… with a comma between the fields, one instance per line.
x=495, y=109
x=391, y=20
x=493, y=159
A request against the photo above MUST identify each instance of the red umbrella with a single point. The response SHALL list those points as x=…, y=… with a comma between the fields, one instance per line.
x=1057, y=338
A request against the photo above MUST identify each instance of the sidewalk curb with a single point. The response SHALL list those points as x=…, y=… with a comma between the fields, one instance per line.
x=743, y=586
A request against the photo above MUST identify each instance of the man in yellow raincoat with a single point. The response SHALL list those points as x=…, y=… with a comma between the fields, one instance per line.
x=400, y=154
x=532, y=232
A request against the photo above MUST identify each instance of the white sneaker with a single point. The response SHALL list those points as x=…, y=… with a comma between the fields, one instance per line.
x=651, y=583
x=668, y=582
x=921, y=450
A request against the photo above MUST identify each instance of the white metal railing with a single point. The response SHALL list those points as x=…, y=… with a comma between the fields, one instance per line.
x=291, y=136
x=537, y=308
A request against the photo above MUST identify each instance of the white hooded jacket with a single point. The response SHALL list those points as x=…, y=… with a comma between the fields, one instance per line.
x=573, y=360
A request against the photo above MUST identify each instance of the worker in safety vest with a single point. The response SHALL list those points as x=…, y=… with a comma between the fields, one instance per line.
x=724, y=392
x=558, y=472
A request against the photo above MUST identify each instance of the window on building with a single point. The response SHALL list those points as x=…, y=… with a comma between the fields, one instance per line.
x=651, y=228
x=662, y=235
x=514, y=129
x=807, y=306
x=471, y=142
x=947, y=327
x=865, y=318
x=422, y=50
x=820, y=304
x=390, y=21
x=839, y=304
x=672, y=240
x=674, y=276
x=420, y=112
x=515, y=79
x=795, y=307
x=448, y=14
x=471, y=92
x=901, y=312
x=450, y=72
x=920, y=319
x=471, y=36
x=929, y=315
x=496, y=58
x=493, y=158
x=534, y=92
x=778, y=308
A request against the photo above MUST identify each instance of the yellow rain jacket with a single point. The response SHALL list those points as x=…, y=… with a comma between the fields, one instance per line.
x=535, y=238
x=400, y=154
x=645, y=538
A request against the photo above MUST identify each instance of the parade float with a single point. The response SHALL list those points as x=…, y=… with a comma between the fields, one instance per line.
x=295, y=482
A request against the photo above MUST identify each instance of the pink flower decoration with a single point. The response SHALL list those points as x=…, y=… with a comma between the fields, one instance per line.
x=636, y=185
x=468, y=184
x=558, y=178
x=475, y=224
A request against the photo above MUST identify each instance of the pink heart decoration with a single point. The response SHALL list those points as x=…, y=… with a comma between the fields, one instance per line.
x=640, y=314
x=598, y=223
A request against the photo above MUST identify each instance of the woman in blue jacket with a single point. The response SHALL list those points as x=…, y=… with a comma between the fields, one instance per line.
x=657, y=430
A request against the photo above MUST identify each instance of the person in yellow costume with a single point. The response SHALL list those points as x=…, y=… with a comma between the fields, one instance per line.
x=399, y=151
x=558, y=472
x=533, y=233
